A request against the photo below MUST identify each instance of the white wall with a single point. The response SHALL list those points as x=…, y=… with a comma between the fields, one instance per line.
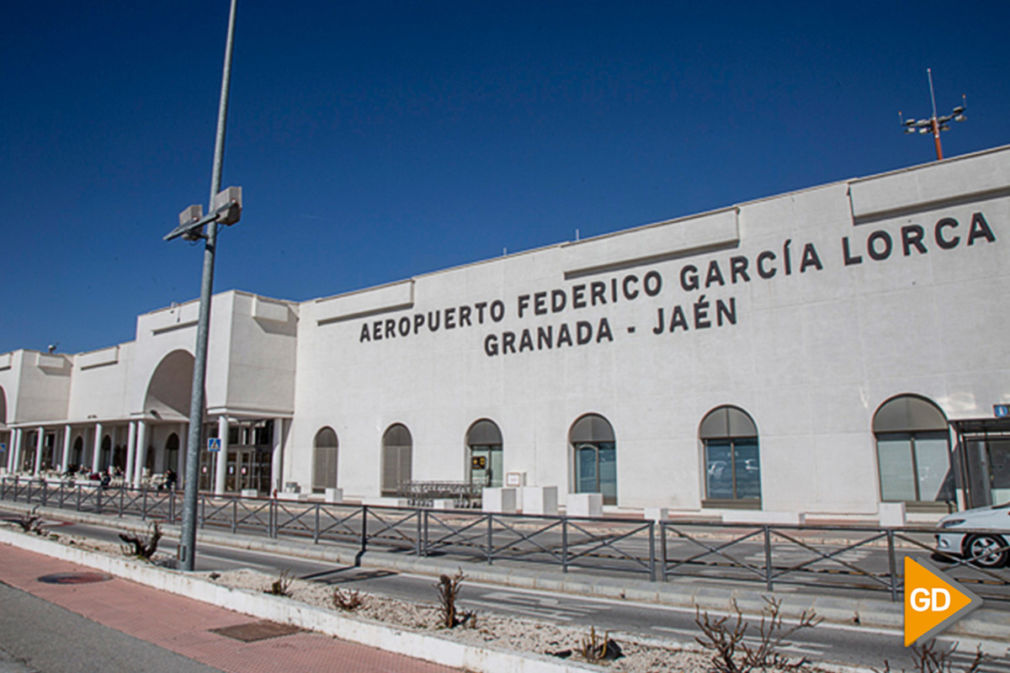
x=813, y=352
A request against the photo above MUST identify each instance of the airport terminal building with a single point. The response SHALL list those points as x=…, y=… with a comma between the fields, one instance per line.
x=829, y=353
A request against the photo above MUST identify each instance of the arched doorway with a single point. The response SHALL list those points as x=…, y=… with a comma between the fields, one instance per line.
x=78, y=454
x=594, y=449
x=484, y=454
x=913, y=451
x=324, y=462
x=397, y=454
x=106, y=458
x=171, y=453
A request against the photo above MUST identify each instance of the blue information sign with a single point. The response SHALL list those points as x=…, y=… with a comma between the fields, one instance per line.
x=213, y=444
x=1001, y=410
x=3, y=448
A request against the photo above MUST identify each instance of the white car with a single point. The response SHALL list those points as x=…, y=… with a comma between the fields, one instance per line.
x=987, y=544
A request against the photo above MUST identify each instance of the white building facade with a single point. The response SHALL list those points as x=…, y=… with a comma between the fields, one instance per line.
x=827, y=352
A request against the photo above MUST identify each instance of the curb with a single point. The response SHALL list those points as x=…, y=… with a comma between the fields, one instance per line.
x=391, y=639
x=985, y=623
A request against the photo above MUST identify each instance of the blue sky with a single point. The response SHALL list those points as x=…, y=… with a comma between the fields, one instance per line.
x=380, y=140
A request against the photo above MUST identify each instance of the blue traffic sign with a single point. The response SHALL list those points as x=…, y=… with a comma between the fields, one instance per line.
x=1001, y=410
x=213, y=444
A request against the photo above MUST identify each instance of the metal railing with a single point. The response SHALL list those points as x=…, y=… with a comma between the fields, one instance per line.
x=850, y=557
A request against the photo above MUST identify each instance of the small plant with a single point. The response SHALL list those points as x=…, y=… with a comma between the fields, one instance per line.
x=142, y=547
x=31, y=522
x=282, y=585
x=595, y=649
x=927, y=658
x=725, y=635
x=448, y=591
x=347, y=600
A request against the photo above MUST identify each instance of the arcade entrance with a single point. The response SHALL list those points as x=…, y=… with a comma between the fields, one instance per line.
x=250, y=457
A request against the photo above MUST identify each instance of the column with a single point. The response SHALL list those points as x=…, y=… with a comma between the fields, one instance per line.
x=180, y=467
x=15, y=457
x=65, y=463
x=276, y=473
x=39, y=443
x=96, y=455
x=140, y=455
x=131, y=453
x=222, y=458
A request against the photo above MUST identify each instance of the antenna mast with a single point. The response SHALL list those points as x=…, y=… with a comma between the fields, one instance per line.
x=934, y=124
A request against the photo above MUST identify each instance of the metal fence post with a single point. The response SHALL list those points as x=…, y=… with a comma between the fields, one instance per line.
x=122, y=499
x=45, y=493
x=490, y=538
x=364, y=534
x=564, y=544
x=420, y=525
x=273, y=519
x=662, y=551
x=768, y=557
x=892, y=565
x=652, y=551
x=315, y=532
x=424, y=533
x=171, y=507
x=79, y=489
x=98, y=499
x=143, y=504
x=234, y=515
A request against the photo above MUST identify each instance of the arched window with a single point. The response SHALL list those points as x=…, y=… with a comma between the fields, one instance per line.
x=594, y=449
x=732, y=460
x=484, y=449
x=324, y=463
x=397, y=447
x=913, y=451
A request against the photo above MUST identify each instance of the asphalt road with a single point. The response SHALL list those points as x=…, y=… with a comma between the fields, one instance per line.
x=832, y=643
x=39, y=637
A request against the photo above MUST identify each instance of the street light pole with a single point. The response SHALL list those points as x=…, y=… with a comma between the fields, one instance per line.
x=187, y=541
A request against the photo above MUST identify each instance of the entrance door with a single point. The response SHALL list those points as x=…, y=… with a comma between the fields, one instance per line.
x=596, y=470
x=208, y=464
x=248, y=468
x=989, y=471
x=486, y=465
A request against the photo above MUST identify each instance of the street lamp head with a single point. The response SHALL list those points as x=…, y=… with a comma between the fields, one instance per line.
x=190, y=215
x=228, y=205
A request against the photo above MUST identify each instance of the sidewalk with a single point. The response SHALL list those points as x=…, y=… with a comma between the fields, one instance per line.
x=184, y=625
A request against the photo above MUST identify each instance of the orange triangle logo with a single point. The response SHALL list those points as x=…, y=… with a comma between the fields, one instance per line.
x=932, y=601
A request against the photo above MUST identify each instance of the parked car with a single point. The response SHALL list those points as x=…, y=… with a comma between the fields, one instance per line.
x=988, y=545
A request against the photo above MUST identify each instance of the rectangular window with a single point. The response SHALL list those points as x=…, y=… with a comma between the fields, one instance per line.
x=897, y=473
x=719, y=468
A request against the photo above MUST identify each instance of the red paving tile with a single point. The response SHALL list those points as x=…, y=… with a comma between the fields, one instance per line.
x=182, y=624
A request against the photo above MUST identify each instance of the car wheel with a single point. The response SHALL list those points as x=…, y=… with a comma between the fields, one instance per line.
x=976, y=546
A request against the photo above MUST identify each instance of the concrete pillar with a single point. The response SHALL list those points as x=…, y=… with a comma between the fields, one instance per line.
x=278, y=456
x=140, y=455
x=15, y=456
x=131, y=452
x=96, y=455
x=39, y=444
x=222, y=457
x=65, y=463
